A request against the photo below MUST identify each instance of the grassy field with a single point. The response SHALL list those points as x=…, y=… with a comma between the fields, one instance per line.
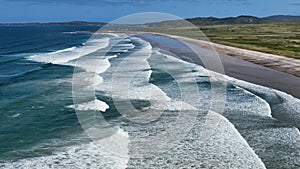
x=275, y=38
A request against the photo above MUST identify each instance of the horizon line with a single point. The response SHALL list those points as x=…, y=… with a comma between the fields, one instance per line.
x=103, y=22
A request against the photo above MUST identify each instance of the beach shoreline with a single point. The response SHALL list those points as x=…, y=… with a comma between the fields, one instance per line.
x=277, y=72
x=276, y=62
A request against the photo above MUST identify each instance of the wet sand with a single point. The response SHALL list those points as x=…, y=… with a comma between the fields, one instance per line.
x=268, y=70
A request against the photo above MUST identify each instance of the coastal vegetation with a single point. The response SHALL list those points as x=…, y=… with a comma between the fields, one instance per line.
x=280, y=38
x=278, y=35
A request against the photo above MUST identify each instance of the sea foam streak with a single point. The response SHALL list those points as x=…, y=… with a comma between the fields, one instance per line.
x=92, y=105
x=87, y=155
x=66, y=55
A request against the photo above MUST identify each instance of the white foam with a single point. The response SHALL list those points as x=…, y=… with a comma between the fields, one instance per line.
x=86, y=80
x=96, y=105
x=109, y=152
x=174, y=106
x=112, y=34
x=91, y=63
x=227, y=143
x=64, y=50
x=78, y=32
x=213, y=143
x=16, y=115
x=254, y=106
x=127, y=45
x=284, y=106
x=68, y=54
x=131, y=82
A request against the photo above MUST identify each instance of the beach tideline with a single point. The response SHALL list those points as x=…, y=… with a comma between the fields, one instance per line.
x=269, y=70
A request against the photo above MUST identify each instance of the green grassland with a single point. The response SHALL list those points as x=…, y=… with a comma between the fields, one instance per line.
x=281, y=38
x=276, y=38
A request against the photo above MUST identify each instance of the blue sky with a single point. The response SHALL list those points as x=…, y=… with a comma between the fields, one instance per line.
x=108, y=10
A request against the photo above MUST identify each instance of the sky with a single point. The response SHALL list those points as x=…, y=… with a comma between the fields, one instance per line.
x=21, y=11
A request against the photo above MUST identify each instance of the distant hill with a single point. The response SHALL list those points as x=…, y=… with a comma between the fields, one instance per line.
x=230, y=20
x=196, y=21
x=283, y=18
x=227, y=21
x=242, y=20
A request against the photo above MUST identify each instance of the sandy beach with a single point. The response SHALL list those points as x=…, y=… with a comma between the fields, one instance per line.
x=264, y=69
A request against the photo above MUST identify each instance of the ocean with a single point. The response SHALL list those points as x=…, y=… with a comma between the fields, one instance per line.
x=73, y=99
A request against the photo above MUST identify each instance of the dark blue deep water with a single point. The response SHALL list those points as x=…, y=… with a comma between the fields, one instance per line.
x=33, y=95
